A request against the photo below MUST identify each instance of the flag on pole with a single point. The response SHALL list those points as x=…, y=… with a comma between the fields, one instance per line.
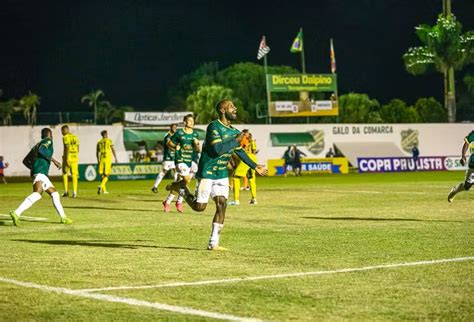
x=333, y=59
x=297, y=45
x=263, y=49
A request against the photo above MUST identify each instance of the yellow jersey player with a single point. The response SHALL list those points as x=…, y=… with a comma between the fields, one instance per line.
x=244, y=171
x=70, y=160
x=105, y=150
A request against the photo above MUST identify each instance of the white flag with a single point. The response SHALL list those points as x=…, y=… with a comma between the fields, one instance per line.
x=263, y=49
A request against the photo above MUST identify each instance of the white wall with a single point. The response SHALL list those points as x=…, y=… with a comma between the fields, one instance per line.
x=434, y=139
x=16, y=142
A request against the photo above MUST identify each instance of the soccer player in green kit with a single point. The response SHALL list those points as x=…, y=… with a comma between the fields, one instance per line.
x=469, y=177
x=222, y=139
x=186, y=144
x=168, y=159
x=41, y=158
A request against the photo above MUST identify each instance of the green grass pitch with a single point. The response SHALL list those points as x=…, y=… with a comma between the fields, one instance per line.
x=306, y=224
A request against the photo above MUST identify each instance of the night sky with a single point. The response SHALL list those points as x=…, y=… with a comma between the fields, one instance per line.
x=135, y=50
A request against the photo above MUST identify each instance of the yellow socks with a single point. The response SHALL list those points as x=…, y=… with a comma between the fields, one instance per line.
x=236, y=188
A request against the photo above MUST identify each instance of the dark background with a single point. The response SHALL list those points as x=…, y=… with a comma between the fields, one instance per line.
x=136, y=50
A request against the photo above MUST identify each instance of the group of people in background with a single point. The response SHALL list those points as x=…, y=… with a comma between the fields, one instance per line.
x=292, y=160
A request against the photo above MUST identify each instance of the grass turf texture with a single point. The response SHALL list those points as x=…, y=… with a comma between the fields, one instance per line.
x=304, y=224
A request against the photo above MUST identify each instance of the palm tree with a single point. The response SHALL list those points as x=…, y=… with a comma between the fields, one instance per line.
x=104, y=111
x=29, y=103
x=446, y=49
x=7, y=109
x=92, y=99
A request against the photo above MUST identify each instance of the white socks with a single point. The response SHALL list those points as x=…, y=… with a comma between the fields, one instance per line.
x=215, y=234
x=28, y=202
x=169, y=199
x=158, y=179
x=57, y=204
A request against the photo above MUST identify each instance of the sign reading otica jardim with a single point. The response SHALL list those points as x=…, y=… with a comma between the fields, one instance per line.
x=404, y=164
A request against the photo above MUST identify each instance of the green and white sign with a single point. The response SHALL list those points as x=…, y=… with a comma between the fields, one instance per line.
x=121, y=171
x=302, y=82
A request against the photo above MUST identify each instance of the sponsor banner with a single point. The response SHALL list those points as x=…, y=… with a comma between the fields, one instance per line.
x=321, y=106
x=302, y=82
x=319, y=165
x=453, y=164
x=286, y=106
x=121, y=171
x=155, y=118
x=403, y=164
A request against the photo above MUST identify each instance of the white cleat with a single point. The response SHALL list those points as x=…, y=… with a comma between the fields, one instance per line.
x=451, y=195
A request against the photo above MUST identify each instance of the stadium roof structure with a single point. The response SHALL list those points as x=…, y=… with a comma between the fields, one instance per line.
x=354, y=150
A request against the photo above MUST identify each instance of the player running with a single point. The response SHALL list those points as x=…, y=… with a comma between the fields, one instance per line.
x=222, y=139
x=168, y=159
x=105, y=150
x=70, y=160
x=469, y=177
x=38, y=161
x=186, y=144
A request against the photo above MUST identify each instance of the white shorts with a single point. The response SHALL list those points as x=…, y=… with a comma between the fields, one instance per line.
x=45, y=182
x=212, y=188
x=168, y=165
x=183, y=169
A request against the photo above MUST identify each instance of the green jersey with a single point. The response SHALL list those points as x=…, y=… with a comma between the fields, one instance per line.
x=43, y=160
x=470, y=140
x=168, y=153
x=213, y=165
x=185, y=146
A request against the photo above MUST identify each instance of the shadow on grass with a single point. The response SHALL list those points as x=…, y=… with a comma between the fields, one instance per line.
x=99, y=244
x=377, y=219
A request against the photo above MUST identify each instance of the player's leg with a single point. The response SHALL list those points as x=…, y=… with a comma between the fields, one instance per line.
x=4, y=180
x=253, y=187
x=236, y=190
x=462, y=186
x=65, y=178
x=57, y=203
x=198, y=202
x=28, y=202
x=167, y=166
x=220, y=194
x=75, y=177
x=105, y=176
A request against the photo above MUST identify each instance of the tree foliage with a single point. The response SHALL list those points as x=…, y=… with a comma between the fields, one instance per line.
x=202, y=102
x=397, y=111
x=358, y=108
x=430, y=110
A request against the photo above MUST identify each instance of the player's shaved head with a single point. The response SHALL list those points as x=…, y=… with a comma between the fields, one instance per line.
x=221, y=104
x=46, y=133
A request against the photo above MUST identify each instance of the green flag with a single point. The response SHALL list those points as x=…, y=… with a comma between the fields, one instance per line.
x=297, y=45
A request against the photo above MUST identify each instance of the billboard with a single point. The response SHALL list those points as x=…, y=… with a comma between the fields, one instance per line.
x=302, y=84
x=311, y=166
x=121, y=171
x=404, y=164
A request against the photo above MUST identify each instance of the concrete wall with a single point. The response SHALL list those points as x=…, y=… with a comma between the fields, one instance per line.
x=433, y=139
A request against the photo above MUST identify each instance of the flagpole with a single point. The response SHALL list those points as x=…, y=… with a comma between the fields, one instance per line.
x=265, y=66
x=303, y=64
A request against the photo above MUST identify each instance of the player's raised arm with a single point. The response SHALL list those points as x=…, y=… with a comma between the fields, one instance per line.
x=465, y=146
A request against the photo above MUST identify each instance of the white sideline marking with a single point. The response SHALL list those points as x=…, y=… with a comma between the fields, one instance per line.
x=266, y=277
x=129, y=301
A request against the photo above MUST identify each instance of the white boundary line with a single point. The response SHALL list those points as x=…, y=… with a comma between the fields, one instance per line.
x=267, y=277
x=129, y=301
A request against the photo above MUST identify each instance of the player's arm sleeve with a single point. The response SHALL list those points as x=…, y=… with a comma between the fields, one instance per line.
x=245, y=158
x=45, y=151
